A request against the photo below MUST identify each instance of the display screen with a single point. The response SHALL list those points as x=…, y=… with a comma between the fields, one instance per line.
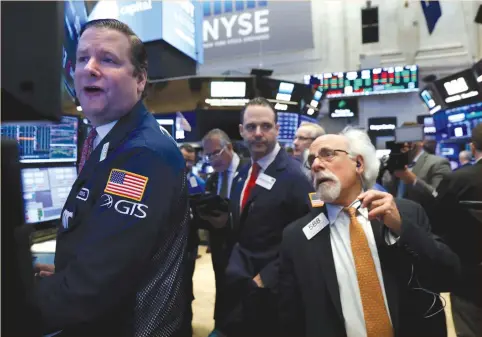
x=370, y=81
x=288, y=124
x=45, y=142
x=45, y=191
x=343, y=108
x=459, y=89
x=431, y=100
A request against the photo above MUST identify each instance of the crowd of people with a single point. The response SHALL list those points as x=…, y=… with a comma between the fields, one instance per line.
x=302, y=245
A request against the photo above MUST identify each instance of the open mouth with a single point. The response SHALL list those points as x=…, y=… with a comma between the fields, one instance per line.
x=92, y=89
x=323, y=180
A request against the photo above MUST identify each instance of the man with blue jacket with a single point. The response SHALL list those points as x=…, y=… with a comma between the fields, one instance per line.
x=119, y=263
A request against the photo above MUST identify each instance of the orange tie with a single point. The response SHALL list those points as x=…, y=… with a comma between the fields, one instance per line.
x=374, y=310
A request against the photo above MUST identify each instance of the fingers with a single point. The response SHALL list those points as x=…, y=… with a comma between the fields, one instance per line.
x=368, y=197
x=45, y=274
x=379, y=211
x=38, y=267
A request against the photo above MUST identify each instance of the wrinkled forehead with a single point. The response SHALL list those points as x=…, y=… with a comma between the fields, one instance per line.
x=334, y=142
x=104, y=39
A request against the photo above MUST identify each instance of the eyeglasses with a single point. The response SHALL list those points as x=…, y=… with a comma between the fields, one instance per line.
x=301, y=138
x=325, y=155
x=215, y=154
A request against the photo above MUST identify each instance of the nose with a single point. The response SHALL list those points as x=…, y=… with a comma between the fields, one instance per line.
x=258, y=132
x=92, y=67
x=296, y=141
x=317, y=165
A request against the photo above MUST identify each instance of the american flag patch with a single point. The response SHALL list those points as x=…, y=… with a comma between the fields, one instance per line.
x=315, y=200
x=126, y=184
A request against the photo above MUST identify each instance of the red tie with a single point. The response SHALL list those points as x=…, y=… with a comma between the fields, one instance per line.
x=87, y=148
x=251, y=182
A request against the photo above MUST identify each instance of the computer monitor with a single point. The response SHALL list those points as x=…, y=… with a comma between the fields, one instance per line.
x=45, y=191
x=42, y=142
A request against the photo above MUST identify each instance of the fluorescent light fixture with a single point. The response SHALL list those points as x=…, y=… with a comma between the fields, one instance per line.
x=283, y=97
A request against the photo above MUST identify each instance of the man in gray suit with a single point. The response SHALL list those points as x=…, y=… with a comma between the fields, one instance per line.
x=419, y=180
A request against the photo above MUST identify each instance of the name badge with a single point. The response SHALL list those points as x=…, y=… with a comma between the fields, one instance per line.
x=103, y=154
x=265, y=181
x=315, y=226
x=193, y=182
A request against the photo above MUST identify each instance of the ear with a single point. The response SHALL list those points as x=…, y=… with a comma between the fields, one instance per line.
x=241, y=130
x=276, y=127
x=359, y=164
x=141, y=81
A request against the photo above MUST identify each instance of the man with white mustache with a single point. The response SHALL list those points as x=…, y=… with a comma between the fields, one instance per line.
x=361, y=264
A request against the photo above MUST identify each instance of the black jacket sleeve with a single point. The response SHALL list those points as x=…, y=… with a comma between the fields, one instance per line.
x=290, y=306
x=436, y=265
x=118, y=242
x=298, y=200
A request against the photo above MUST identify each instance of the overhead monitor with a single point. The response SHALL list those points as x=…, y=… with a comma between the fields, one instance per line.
x=228, y=89
x=45, y=142
x=428, y=124
x=388, y=80
x=343, y=108
x=431, y=99
x=459, y=89
x=288, y=124
x=45, y=191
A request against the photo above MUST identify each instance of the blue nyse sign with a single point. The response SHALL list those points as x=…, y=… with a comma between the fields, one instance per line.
x=235, y=28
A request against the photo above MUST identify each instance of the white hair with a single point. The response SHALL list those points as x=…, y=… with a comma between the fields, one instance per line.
x=315, y=129
x=465, y=155
x=359, y=144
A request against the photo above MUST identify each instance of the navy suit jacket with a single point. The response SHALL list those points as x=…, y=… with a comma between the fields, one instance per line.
x=118, y=262
x=258, y=228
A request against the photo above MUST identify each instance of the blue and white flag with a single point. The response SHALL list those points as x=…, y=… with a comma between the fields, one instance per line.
x=432, y=12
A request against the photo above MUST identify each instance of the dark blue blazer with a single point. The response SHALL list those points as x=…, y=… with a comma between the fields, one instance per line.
x=118, y=262
x=258, y=228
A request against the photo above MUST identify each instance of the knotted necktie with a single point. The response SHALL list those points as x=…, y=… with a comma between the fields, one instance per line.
x=251, y=182
x=375, y=312
x=87, y=148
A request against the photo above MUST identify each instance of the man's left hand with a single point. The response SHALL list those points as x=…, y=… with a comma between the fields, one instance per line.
x=258, y=281
x=407, y=176
x=381, y=205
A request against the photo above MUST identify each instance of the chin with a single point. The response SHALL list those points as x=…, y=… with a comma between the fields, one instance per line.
x=329, y=192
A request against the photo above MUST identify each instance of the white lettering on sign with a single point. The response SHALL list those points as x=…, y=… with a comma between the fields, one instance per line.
x=139, y=6
x=457, y=86
x=382, y=127
x=131, y=208
x=237, y=25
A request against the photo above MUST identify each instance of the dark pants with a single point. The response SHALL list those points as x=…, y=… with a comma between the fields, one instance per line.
x=186, y=327
x=252, y=313
x=219, y=257
x=467, y=317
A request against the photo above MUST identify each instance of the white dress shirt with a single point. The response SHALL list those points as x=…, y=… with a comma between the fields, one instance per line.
x=231, y=171
x=102, y=131
x=263, y=163
x=350, y=298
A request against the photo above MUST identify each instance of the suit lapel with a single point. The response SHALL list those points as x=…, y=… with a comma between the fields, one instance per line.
x=320, y=248
x=273, y=170
x=420, y=163
x=389, y=281
x=114, y=138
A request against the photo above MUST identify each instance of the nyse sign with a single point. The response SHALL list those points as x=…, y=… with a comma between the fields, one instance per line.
x=236, y=29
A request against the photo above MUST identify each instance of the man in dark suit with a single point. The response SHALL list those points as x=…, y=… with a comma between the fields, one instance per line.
x=457, y=217
x=265, y=197
x=362, y=264
x=121, y=245
x=218, y=150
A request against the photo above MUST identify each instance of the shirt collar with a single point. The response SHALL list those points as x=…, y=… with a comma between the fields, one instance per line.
x=234, y=163
x=335, y=210
x=418, y=156
x=103, y=130
x=269, y=158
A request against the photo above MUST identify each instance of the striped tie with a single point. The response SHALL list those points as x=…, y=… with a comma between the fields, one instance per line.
x=87, y=148
x=374, y=310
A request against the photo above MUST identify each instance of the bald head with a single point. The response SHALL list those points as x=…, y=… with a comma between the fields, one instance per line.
x=465, y=157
